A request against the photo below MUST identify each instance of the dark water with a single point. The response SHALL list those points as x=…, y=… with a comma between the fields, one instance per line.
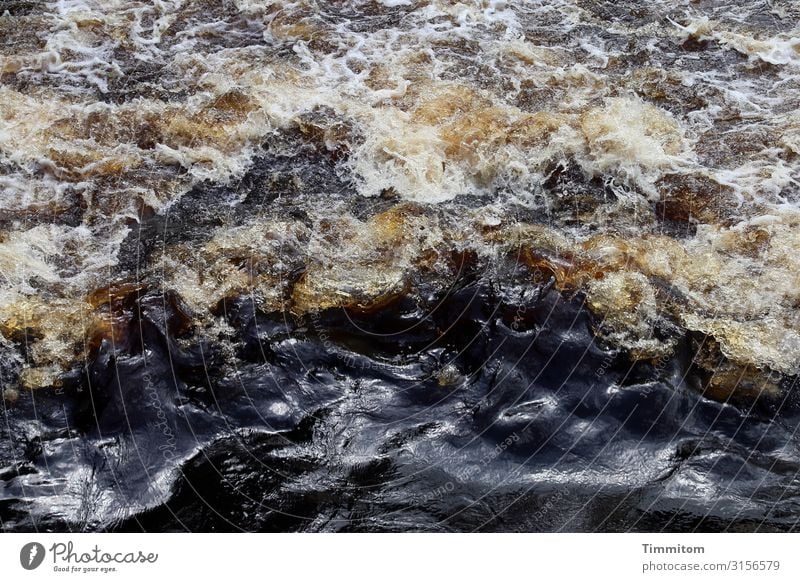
x=346, y=422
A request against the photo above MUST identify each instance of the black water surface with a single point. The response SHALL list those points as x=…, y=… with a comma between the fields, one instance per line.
x=451, y=414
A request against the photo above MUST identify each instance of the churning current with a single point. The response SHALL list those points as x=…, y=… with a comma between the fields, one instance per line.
x=399, y=265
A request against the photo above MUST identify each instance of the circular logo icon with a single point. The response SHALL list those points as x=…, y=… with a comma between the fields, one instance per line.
x=31, y=555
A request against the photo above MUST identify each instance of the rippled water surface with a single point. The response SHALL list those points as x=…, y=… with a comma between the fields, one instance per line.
x=399, y=265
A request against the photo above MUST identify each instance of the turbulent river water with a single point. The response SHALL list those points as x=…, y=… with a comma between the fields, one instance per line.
x=399, y=265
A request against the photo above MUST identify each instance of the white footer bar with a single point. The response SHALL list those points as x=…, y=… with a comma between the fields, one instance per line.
x=402, y=557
